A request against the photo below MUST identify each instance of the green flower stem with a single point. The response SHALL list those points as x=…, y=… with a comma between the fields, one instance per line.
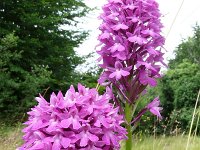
x=128, y=115
x=129, y=112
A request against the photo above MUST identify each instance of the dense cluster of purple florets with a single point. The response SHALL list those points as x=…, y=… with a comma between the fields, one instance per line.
x=79, y=120
x=130, y=45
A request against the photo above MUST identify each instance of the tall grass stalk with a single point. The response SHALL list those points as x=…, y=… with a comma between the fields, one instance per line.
x=192, y=122
x=196, y=128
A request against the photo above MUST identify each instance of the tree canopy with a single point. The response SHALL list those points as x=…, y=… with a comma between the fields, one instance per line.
x=37, y=48
x=188, y=49
x=181, y=83
x=42, y=38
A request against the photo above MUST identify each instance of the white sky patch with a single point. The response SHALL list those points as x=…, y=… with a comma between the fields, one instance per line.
x=188, y=16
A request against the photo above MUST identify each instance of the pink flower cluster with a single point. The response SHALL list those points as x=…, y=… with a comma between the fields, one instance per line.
x=130, y=42
x=79, y=120
x=130, y=46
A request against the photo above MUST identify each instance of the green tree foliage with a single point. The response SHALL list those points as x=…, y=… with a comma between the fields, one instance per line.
x=40, y=54
x=189, y=48
x=43, y=39
x=178, y=91
x=183, y=83
x=18, y=86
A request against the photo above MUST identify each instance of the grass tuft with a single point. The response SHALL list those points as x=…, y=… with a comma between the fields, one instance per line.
x=10, y=137
x=166, y=143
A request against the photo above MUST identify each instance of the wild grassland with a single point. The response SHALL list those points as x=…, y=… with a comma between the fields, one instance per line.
x=10, y=139
x=167, y=143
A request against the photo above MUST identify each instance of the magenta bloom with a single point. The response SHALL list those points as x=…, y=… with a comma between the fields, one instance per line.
x=130, y=53
x=154, y=107
x=118, y=71
x=77, y=120
x=131, y=38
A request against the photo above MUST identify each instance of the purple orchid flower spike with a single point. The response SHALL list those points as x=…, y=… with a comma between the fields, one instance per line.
x=131, y=36
x=78, y=120
x=130, y=48
x=154, y=107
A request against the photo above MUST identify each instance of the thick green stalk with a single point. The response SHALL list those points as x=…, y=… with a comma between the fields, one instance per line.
x=128, y=115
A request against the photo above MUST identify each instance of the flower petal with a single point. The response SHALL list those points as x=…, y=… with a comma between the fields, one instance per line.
x=56, y=146
x=76, y=124
x=84, y=141
x=92, y=137
x=106, y=139
x=65, y=142
x=66, y=123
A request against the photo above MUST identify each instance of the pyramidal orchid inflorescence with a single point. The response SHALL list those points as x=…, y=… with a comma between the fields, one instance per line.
x=78, y=120
x=130, y=55
x=130, y=46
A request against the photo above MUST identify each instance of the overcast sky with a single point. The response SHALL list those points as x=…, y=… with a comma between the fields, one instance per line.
x=188, y=16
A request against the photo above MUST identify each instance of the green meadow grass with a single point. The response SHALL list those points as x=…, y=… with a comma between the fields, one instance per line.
x=10, y=139
x=166, y=143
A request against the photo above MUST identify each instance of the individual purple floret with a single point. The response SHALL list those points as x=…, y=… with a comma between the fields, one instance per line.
x=78, y=120
x=154, y=107
x=131, y=38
